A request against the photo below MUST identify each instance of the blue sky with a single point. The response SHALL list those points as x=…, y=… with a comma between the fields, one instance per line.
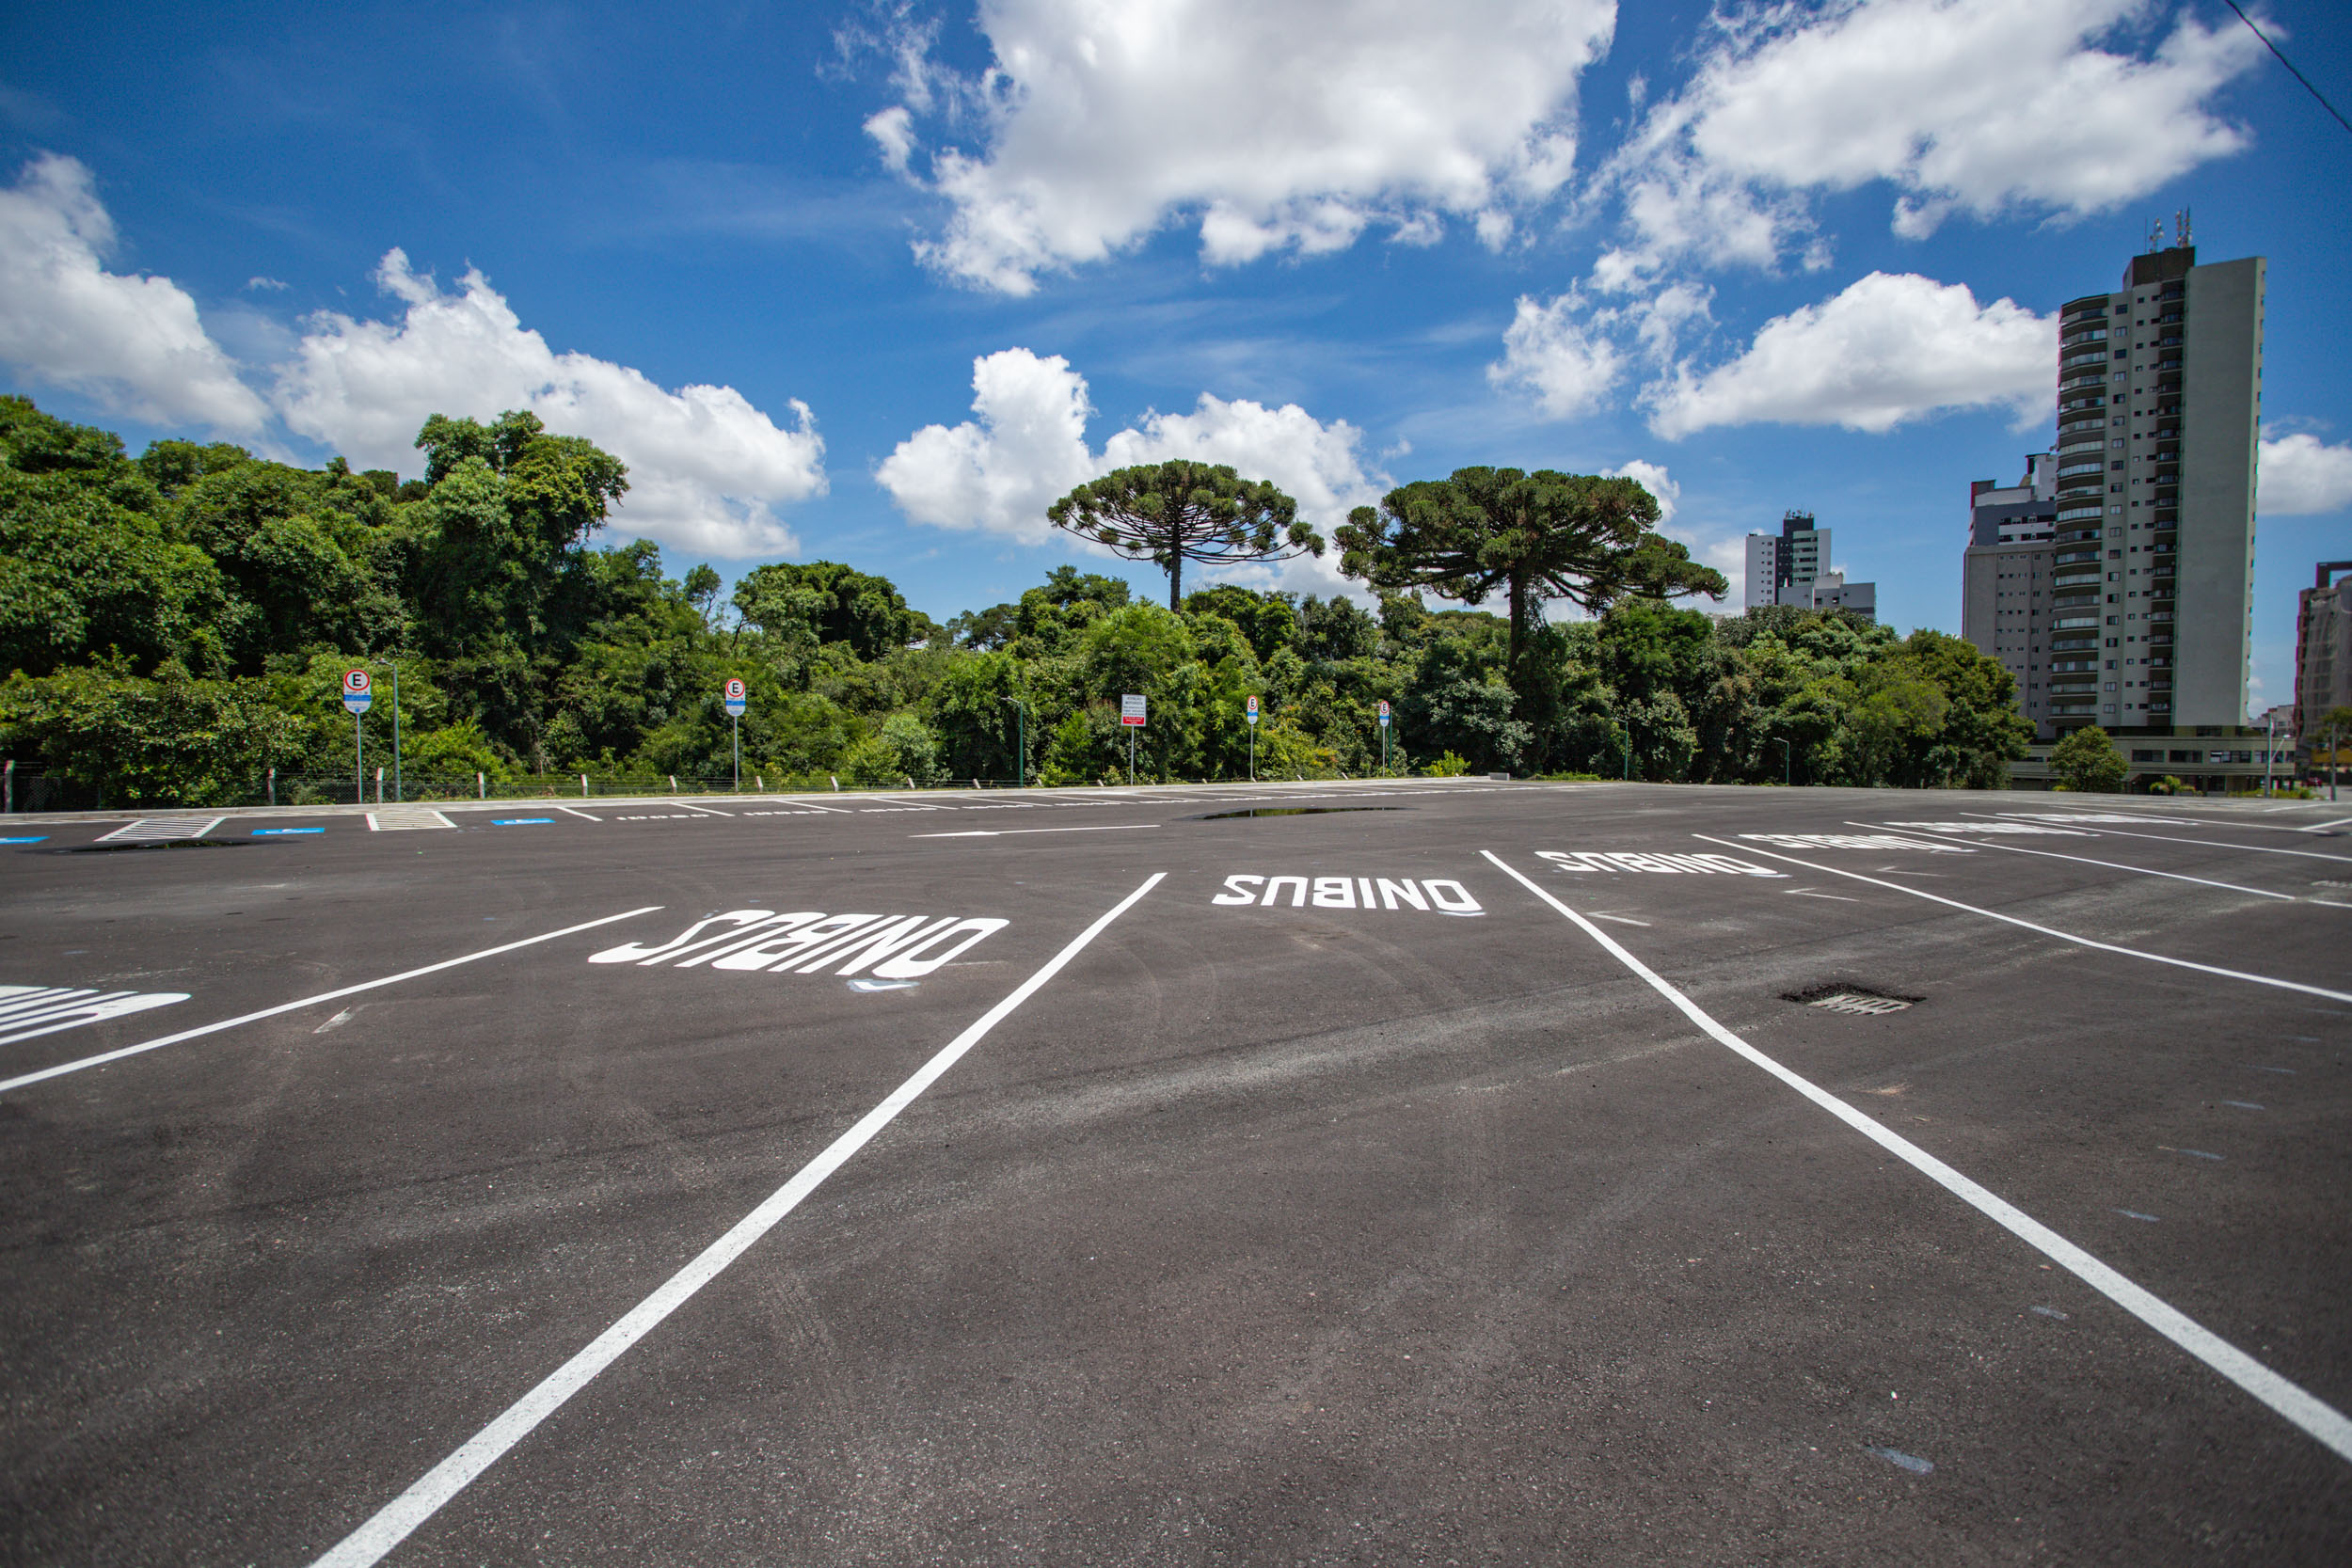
x=1804, y=256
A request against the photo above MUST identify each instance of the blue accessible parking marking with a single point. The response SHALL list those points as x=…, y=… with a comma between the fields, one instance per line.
x=37, y=838
x=521, y=821
x=264, y=832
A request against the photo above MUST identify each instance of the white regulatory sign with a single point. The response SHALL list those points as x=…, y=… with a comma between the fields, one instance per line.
x=732, y=699
x=358, y=690
x=1131, y=707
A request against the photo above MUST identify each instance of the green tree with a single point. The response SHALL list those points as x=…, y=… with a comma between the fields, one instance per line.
x=1531, y=537
x=830, y=603
x=1179, y=511
x=2086, y=760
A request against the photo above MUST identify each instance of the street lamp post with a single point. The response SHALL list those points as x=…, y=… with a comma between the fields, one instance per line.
x=1787, y=773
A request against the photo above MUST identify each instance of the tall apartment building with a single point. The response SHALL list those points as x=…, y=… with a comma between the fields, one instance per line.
x=2323, y=649
x=1792, y=568
x=2116, y=580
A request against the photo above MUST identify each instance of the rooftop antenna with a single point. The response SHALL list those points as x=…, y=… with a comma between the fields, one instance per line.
x=2180, y=227
x=2155, y=236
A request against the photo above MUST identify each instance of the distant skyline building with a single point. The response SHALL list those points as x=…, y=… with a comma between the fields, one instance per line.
x=2323, y=648
x=1792, y=568
x=2115, y=580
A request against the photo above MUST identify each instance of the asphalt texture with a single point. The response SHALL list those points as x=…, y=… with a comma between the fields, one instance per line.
x=1269, y=1228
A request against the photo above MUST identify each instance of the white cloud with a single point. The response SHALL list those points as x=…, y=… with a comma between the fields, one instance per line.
x=2302, y=475
x=1981, y=106
x=1653, y=478
x=1286, y=126
x=1570, y=352
x=1561, y=353
x=133, y=343
x=1028, y=448
x=1889, y=349
x=999, y=473
x=707, y=469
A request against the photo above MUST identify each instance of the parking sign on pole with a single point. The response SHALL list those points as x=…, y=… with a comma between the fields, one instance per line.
x=359, y=695
x=733, y=699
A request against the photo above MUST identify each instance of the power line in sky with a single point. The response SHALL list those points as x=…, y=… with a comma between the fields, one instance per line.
x=2290, y=65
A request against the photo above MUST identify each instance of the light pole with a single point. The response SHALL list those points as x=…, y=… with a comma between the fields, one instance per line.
x=2270, y=750
x=396, y=795
x=1787, y=778
x=1021, y=748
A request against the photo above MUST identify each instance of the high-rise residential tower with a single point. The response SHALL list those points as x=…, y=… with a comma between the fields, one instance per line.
x=2116, y=581
x=1793, y=567
x=2323, y=648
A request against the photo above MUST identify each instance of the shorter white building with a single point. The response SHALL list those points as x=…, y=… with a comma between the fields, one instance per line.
x=1792, y=568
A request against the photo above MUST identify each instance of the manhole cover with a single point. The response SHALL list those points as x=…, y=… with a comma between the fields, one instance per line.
x=1850, y=999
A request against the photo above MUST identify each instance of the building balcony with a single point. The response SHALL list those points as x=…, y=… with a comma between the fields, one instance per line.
x=2167, y=476
x=2170, y=497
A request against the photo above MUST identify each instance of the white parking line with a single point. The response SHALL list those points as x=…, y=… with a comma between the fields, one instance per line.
x=689, y=806
x=160, y=830
x=2045, y=930
x=103, y=1057
x=2323, y=826
x=2115, y=865
x=2204, y=843
x=581, y=814
x=1008, y=833
x=395, y=1520
x=2314, y=1417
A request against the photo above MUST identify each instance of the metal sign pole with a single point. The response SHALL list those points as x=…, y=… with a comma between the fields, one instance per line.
x=1131, y=756
x=358, y=757
x=738, y=725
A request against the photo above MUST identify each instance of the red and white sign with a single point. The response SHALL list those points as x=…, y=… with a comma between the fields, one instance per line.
x=734, y=691
x=355, y=682
x=1131, y=708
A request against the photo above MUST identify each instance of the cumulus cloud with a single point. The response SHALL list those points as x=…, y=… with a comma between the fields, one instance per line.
x=707, y=469
x=998, y=473
x=2302, y=475
x=1890, y=348
x=1569, y=351
x=1285, y=126
x=1653, y=478
x=1028, y=448
x=134, y=343
x=1979, y=106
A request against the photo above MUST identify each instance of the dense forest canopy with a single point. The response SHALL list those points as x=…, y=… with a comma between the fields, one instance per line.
x=175, y=625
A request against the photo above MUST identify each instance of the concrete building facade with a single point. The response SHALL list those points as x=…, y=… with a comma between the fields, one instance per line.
x=1792, y=568
x=2116, y=580
x=2323, y=650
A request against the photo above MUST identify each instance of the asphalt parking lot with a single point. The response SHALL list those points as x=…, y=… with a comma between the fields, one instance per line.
x=1448, y=1173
